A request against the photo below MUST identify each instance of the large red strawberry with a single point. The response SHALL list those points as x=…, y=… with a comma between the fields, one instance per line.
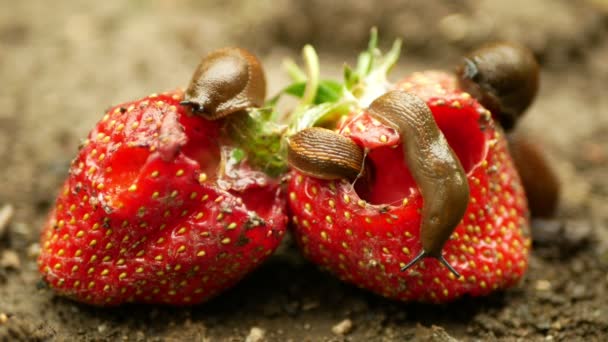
x=366, y=232
x=161, y=205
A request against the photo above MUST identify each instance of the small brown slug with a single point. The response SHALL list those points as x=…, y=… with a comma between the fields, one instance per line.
x=503, y=77
x=325, y=154
x=226, y=81
x=434, y=166
x=540, y=182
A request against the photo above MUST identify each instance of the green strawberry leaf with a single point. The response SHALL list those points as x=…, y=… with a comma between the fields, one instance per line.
x=365, y=61
x=316, y=115
x=328, y=91
x=369, y=78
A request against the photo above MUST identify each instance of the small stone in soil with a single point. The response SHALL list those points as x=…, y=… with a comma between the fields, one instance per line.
x=577, y=232
x=256, y=334
x=6, y=215
x=33, y=250
x=434, y=334
x=543, y=285
x=343, y=328
x=10, y=260
x=579, y=292
x=3, y=318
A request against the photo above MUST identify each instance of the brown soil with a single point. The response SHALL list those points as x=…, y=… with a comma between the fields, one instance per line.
x=63, y=62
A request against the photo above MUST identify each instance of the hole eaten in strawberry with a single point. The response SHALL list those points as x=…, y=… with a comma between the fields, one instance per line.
x=175, y=135
x=391, y=180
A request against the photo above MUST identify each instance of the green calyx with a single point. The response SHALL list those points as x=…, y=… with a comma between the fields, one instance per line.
x=369, y=78
x=259, y=139
x=325, y=102
x=261, y=133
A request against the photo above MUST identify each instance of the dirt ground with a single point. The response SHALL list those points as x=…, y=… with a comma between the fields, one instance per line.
x=63, y=62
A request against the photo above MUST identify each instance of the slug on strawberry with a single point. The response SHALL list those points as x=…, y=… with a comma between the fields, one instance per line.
x=434, y=166
x=164, y=206
x=504, y=78
x=226, y=81
x=323, y=154
x=368, y=232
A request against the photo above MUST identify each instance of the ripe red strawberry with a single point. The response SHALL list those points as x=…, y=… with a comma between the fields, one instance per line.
x=366, y=234
x=145, y=215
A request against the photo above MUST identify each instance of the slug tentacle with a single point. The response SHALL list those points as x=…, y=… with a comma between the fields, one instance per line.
x=226, y=81
x=434, y=166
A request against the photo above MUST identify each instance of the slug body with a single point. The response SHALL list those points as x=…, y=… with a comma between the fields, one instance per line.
x=540, y=181
x=503, y=77
x=226, y=81
x=324, y=154
x=434, y=166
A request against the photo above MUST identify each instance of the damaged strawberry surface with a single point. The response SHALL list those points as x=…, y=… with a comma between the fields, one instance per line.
x=160, y=206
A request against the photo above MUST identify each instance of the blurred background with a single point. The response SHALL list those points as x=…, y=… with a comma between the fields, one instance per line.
x=62, y=63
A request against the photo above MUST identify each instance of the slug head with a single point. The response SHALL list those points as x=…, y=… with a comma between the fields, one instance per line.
x=226, y=81
x=503, y=77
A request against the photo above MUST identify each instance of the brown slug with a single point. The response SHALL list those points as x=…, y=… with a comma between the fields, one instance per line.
x=540, y=182
x=503, y=77
x=325, y=154
x=226, y=81
x=434, y=166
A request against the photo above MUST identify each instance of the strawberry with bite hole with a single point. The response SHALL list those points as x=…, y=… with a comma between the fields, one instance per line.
x=367, y=230
x=160, y=206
